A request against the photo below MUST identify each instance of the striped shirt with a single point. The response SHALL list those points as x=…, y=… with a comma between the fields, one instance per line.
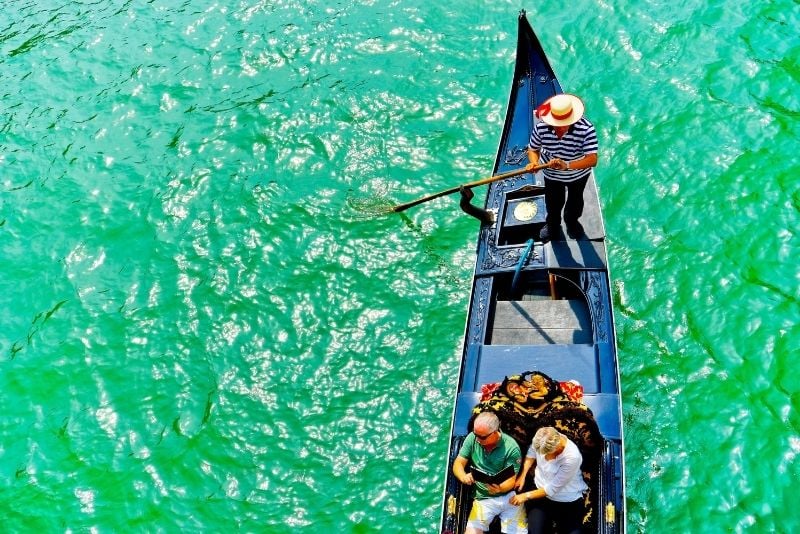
x=580, y=139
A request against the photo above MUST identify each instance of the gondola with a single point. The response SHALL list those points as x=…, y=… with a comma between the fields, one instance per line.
x=539, y=310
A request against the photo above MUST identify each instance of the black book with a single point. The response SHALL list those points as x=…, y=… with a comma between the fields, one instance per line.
x=496, y=478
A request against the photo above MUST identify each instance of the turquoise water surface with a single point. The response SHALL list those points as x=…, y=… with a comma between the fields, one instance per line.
x=206, y=327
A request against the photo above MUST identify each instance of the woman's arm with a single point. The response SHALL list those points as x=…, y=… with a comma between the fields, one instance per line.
x=526, y=467
x=520, y=498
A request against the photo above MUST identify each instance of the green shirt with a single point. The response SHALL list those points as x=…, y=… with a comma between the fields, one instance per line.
x=505, y=453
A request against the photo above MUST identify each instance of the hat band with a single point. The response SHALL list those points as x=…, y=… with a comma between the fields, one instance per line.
x=544, y=109
x=561, y=116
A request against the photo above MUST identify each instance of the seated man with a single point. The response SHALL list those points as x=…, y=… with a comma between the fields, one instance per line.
x=490, y=452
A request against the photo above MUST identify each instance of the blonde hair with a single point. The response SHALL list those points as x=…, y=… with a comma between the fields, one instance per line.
x=546, y=440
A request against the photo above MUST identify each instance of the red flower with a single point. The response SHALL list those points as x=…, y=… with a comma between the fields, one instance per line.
x=487, y=390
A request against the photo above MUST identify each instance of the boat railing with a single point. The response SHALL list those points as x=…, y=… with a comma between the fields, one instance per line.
x=458, y=495
x=610, y=489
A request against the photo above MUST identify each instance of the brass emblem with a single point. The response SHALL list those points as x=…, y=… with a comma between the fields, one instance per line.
x=525, y=211
x=611, y=513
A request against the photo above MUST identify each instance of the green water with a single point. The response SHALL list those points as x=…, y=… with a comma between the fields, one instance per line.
x=206, y=328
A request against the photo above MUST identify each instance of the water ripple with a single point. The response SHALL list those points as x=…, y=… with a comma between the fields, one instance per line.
x=210, y=319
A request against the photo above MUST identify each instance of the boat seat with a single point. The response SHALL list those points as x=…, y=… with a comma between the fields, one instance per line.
x=559, y=362
x=466, y=401
x=604, y=406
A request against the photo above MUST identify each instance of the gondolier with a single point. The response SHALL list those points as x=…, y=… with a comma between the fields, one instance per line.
x=567, y=140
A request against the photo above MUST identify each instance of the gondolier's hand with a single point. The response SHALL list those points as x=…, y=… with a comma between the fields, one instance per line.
x=558, y=164
x=531, y=167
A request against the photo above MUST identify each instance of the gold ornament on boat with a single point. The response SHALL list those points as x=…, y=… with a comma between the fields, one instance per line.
x=611, y=513
x=525, y=211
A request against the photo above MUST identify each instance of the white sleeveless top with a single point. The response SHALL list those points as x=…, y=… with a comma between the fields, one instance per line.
x=561, y=478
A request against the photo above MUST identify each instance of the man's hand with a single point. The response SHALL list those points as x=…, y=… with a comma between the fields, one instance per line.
x=467, y=479
x=494, y=489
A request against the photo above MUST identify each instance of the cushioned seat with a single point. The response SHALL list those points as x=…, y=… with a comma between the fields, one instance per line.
x=604, y=406
x=464, y=405
x=560, y=362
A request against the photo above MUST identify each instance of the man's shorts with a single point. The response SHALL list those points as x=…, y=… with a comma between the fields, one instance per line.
x=512, y=518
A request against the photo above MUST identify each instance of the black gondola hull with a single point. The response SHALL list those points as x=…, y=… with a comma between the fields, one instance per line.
x=539, y=307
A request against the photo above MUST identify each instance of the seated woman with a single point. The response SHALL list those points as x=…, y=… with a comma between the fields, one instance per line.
x=558, y=496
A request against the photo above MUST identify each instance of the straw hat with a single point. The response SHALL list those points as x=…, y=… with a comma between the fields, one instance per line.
x=561, y=110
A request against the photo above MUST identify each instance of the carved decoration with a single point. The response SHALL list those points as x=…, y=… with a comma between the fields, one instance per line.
x=480, y=311
x=592, y=282
x=506, y=257
x=516, y=155
x=497, y=190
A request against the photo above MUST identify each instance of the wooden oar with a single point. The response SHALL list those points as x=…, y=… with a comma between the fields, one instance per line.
x=470, y=185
